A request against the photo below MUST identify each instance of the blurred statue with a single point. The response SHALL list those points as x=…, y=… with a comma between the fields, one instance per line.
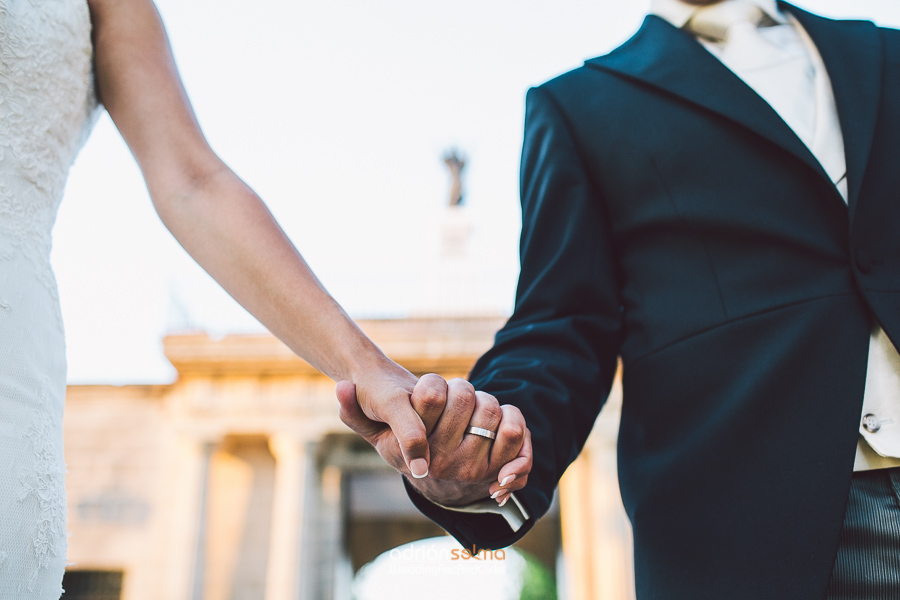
x=455, y=164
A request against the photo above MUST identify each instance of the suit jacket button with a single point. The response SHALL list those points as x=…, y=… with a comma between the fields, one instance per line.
x=871, y=423
x=863, y=261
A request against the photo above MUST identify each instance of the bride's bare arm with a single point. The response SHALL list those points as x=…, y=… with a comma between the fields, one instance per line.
x=224, y=225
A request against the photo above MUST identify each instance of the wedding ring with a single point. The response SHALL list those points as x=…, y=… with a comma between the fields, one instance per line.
x=485, y=433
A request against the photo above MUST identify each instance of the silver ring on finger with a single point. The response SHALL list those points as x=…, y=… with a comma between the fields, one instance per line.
x=481, y=431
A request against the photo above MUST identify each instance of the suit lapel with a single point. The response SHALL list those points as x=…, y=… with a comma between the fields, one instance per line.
x=671, y=60
x=854, y=58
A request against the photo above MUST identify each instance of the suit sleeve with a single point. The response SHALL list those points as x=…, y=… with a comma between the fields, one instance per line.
x=556, y=357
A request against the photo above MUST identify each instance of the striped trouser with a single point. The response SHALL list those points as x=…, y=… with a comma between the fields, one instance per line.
x=868, y=557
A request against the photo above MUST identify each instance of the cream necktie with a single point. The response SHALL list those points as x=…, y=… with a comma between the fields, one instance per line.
x=783, y=76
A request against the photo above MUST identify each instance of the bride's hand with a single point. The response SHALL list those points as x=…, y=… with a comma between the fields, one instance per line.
x=464, y=467
x=382, y=399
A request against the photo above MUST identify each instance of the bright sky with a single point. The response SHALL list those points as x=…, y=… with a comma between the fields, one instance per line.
x=337, y=113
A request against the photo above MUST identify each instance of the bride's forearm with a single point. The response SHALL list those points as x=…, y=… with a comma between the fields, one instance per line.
x=226, y=227
x=228, y=230
x=212, y=213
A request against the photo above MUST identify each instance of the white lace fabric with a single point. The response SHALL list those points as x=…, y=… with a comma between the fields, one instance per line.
x=47, y=108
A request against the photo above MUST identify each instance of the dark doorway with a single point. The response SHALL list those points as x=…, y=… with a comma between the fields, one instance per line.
x=92, y=585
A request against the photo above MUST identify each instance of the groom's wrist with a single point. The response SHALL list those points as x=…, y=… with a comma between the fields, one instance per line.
x=478, y=524
x=512, y=512
x=448, y=494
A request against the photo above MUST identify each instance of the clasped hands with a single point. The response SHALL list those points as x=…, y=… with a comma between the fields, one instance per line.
x=421, y=429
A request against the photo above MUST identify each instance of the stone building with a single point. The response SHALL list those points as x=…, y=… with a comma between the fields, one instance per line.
x=238, y=480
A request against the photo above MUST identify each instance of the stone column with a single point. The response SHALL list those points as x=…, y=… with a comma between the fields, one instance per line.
x=206, y=452
x=331, y=561
x=187, y=504
x=576, y=518
x=288, y=570
x=597, y=545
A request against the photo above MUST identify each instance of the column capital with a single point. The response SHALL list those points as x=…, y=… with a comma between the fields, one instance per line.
x=287, y=444
x=201, y=436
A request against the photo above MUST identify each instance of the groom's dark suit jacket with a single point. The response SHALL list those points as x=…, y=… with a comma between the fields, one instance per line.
x=672, y=219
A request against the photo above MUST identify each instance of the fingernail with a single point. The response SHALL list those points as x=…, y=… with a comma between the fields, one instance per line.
x=497, y=493
x=507, y=479
x=419, y=468
x=504, y=501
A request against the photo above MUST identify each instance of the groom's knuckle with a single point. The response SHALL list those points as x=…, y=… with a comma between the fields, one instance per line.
x=512, y=415
x=431, y=399
x=433, y=380
x=463, y=392
x=490, y=411
x=512, y=412
x=513, y=432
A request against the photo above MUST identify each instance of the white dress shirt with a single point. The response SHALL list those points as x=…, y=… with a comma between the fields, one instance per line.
x=815, y=121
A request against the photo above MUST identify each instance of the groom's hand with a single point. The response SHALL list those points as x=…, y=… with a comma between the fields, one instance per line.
x=465, y=467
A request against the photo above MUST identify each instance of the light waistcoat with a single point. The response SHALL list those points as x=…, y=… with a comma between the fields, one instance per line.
x=879, y=442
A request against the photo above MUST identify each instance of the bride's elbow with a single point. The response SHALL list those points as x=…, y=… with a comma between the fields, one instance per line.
x=187, y=189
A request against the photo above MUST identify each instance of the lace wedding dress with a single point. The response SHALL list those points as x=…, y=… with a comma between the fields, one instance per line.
x=46, y=111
